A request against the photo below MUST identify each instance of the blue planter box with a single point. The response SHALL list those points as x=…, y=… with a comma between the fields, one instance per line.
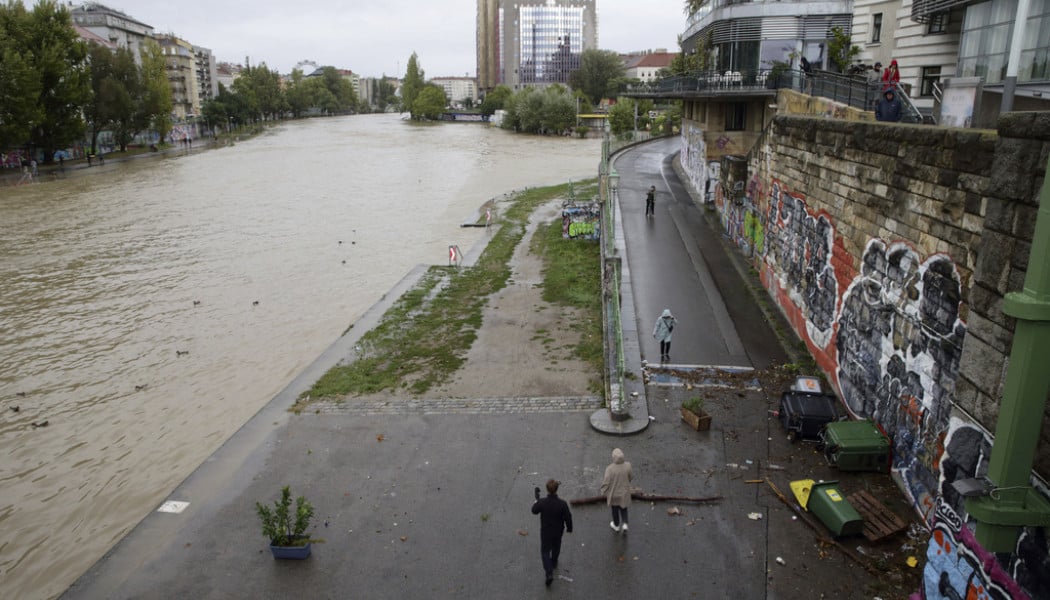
x=291, y=552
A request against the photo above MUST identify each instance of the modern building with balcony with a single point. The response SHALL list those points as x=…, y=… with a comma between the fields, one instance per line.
x=748, y=50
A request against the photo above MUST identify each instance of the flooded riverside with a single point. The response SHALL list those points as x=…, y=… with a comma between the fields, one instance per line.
x=148, y=308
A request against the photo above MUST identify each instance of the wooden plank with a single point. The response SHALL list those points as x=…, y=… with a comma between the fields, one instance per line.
x=879, y=521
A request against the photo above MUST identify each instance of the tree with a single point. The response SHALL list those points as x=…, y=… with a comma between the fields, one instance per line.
x=19, y=85
x=154, y=109
x=622, y=114
x=412, y=85
x=430, y=103
x=495, y=100
x=559, y=110
x=340, y=87
x=128, y=96
x=840, y=50
x=693, y=6
x=597, y=69
x=50, y=68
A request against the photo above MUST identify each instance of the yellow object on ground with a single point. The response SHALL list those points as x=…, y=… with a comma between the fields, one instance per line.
x=801, y=489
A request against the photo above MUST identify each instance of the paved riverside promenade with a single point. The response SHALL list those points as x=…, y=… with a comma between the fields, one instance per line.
x=430, y=499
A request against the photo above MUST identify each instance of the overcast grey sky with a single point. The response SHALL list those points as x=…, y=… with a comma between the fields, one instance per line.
x=375, y=37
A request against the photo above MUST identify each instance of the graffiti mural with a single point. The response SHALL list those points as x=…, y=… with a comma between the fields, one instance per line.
x=693, y=155
x=899, y=343
x=957, y=567
x=581, y=222
x=956, y=564
x=799, y=245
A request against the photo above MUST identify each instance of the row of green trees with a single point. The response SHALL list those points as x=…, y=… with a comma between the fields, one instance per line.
x=55, y=87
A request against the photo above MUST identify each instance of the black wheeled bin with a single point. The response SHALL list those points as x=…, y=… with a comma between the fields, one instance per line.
x=804, y=414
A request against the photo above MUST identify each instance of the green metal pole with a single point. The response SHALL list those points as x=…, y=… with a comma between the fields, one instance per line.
x=1013, y=503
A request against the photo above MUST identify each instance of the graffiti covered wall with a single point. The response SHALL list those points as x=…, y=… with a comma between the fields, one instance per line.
x=890, y=249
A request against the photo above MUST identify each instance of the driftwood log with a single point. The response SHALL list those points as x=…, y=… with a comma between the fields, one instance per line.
x=648, y=498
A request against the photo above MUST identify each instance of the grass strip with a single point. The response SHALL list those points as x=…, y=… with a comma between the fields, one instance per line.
x=425, y=336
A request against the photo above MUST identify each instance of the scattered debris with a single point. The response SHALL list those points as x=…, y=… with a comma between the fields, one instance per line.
x=522, y=532
x=404, y=538
x=912, y=561
x=674, y=511
x=40, y=424
x=380, y=437
x=780, y=561
x=569, y=579
x=755, y=516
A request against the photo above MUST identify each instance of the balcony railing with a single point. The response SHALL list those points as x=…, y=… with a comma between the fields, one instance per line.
x=725, y=82
x=851, y=90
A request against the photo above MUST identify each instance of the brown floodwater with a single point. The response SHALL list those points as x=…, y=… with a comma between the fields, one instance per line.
x=148, y=308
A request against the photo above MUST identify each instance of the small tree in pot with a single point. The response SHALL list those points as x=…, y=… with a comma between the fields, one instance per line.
x=285, y=530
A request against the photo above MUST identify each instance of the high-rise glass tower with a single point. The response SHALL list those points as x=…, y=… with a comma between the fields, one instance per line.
x=533, y=42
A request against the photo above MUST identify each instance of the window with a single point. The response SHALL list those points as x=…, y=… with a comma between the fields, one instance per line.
x=876, y=28
x=938, y=23
x=736, y=116
x=930, y=76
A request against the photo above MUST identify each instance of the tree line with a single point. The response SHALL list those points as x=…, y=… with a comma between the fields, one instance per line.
x=55, y=88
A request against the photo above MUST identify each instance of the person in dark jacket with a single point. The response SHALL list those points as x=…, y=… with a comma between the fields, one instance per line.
x=555, y=519
x=888, y=108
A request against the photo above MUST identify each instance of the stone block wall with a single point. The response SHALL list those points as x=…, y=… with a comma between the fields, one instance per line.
x=890, y=248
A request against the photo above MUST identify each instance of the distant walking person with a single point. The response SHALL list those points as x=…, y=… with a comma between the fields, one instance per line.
x=555, y=519
x=650, y=202
x=891, y=77
x=616, y=487
x=662, y=333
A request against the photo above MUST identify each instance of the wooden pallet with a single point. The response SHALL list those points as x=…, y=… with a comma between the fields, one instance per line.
x=879, y=521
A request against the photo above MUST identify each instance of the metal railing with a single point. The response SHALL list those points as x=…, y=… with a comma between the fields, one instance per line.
x=713, y=82
x=859, y=92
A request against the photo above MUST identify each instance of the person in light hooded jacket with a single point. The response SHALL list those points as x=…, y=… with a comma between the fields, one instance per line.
x=616, y=487
x=662, y=333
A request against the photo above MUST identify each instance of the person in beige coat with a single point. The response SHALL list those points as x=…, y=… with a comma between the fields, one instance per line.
x=616, y=487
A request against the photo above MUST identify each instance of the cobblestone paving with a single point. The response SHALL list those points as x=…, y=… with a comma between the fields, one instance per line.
x=472, y=406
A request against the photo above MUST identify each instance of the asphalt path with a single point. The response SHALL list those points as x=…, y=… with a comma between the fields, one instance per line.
x=678, y=261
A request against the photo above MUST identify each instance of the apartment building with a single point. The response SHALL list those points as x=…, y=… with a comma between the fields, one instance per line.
x=458, y=89
x=965, y=46
x=112, y=25
x=207, y=74
x=646, y=66
x=181, y=68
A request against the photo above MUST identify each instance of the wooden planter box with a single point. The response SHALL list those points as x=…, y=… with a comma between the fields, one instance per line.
x=699, y=422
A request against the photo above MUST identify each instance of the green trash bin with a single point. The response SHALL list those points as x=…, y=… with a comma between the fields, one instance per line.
x=855, y=446
x=834, y=511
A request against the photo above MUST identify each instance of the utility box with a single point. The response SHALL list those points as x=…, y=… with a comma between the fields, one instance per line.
x=855, y=446
x=826, y=502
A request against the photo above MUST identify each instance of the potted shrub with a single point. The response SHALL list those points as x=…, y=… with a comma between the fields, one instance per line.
x=285, y=529
x=694, y=414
